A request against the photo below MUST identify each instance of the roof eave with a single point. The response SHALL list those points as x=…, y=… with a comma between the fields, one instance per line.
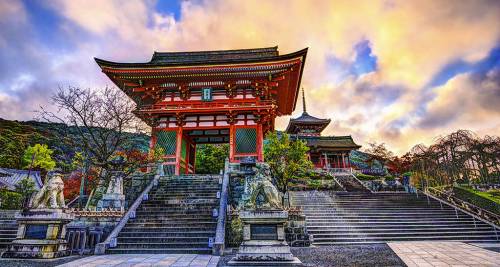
x=110, y=64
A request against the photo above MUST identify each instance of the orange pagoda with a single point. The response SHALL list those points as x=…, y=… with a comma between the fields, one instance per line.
x=210, y=97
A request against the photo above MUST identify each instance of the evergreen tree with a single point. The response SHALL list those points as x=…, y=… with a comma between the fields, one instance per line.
x=40, y=155
x=210, y=158
x=287, y=158
x=25, y=187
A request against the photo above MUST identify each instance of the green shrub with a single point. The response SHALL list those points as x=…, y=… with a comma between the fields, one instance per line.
x=481, y=199
x=234, y=232
x=314, y=184
x=10, y=200
x=389, y=178
x=366, y=177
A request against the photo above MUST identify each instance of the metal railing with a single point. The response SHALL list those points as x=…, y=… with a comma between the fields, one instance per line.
x=473, y=210
x=220, y=234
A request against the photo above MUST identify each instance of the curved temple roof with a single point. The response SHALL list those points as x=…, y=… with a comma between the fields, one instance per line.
x=253, y=55
x=305, y=119
x=174, y=68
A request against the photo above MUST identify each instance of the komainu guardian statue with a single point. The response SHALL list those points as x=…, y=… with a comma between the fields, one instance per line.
x=264, y=194
x=51, y=194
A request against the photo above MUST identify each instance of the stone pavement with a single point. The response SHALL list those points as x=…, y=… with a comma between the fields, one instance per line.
x=137, y=260
x=428, y=253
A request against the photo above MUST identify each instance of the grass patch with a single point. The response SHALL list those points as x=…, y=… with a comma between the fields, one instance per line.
x=488, y=200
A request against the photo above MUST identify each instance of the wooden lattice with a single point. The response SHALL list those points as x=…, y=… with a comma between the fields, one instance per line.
x=167, y=140
x=246, y=140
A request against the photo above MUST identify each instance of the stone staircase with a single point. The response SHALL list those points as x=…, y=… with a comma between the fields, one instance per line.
x=361, y=218
x=176, y=218
x=8, y=228
x=350, y=183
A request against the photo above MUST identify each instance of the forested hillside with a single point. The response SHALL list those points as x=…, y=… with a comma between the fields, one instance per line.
x=16, y=136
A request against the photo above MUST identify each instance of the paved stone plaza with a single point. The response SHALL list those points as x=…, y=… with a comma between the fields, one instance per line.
x=423, y=254
x=427, y=253
x=137, y=260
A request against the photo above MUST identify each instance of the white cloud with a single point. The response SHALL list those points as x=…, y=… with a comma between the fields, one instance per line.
x=412, y=40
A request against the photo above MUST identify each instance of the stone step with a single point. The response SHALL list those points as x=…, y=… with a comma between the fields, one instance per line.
x=188, y=196
x=171, y=203
x=384, y=214
x=420, y=227
x=176, y=218
x=156, y=220
x=171, y=244
x=162, y=211
x=167, y=229
x=201, y=250
x=186, y=209
x=378, y=223
x=201, y=214
x=153, y=239
x=360, y=209
x=360, y=218
x=381, y=234
x=387, y=219
x=462, y=238
x=186, y=193
x=193, y=233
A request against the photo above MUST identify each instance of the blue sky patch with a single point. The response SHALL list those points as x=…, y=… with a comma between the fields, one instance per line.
x=365, y=61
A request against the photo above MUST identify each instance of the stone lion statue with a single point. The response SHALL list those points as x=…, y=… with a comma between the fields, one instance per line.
x=51, y=194
x=263, y=192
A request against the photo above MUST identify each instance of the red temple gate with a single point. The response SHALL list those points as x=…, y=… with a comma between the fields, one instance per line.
x=210, y=97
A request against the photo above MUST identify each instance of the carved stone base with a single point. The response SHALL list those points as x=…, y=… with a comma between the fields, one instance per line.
x=37, y=249
x=264, y=240
x=40, y=234
x=112, y=200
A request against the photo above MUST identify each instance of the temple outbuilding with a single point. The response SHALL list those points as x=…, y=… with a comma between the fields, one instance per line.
x=325, y=152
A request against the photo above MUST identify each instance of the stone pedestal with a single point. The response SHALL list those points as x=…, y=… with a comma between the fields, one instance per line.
x=111, y=200
x=41, y=234
x=114, y=197
x=264, y=240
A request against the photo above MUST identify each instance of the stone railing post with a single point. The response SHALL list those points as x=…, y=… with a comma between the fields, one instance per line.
x=220, y=234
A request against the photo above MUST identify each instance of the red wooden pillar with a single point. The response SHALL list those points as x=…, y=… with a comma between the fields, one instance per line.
x=260, y=139
x=194, y=158
x=231, y=142
x=152, y=141
x=178, y=151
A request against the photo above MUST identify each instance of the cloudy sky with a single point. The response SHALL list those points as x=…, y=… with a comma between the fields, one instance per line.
x=398, y=72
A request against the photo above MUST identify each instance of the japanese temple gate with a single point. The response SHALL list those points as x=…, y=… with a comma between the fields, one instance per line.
x=210, y=97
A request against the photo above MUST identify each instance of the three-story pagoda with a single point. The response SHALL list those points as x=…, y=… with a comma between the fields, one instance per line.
x=325, y=152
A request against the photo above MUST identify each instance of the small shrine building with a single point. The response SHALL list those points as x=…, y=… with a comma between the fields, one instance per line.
x=325, y=152
x=210, y=97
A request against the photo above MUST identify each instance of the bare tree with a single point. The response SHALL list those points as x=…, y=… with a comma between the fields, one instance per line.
x=458, y=157
x=102, y=119
x=378, y=152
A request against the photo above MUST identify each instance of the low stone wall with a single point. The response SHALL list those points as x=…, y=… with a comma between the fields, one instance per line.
x=296, y=230
x=107, y=223
x=85, y=232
